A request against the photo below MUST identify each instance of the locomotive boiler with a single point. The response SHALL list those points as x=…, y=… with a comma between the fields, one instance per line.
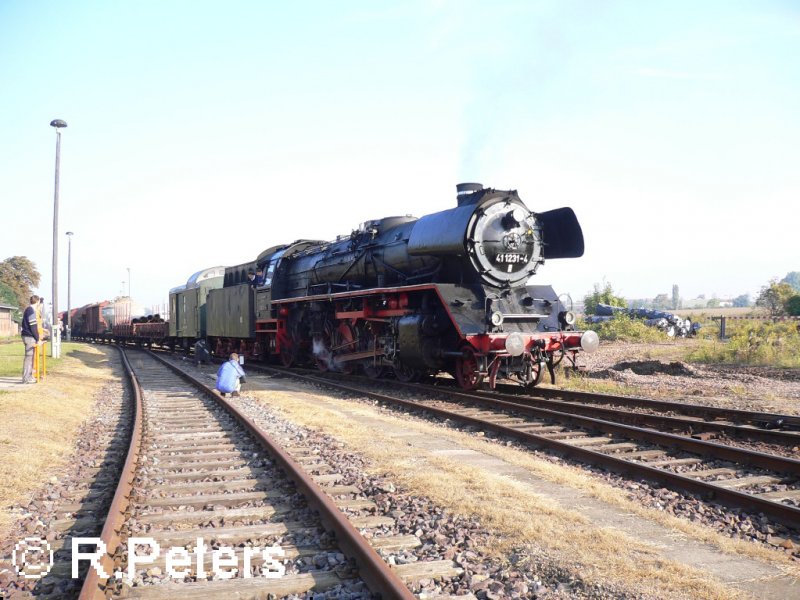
x=446, y=292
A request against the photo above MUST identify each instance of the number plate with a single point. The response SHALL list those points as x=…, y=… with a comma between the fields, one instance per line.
x=509, y=258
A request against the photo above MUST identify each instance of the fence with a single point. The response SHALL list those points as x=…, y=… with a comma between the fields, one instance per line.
x=723, y=322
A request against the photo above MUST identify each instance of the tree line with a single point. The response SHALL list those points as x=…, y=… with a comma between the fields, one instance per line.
x=778, y=297
x=18, y=278
x=781, y=297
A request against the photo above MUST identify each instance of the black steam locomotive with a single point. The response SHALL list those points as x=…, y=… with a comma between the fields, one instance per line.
x=446, y=292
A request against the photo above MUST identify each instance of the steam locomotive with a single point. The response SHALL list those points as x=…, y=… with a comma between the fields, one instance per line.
x=444, y=293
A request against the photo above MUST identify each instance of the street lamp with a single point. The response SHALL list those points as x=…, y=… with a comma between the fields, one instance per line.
x=129, y=281
x=69, y=285
x=56, y=345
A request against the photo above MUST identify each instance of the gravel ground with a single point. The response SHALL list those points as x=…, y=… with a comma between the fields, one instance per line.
x=731, y=522
x=526, y=573
x=727, y=386
x=109, y=420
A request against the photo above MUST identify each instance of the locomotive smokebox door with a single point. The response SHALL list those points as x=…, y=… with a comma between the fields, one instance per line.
x=505, y=243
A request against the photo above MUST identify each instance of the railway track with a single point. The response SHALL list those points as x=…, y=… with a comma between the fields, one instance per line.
x=202, y=479
x=739, y=478
x=767, y=427
x=728, y=426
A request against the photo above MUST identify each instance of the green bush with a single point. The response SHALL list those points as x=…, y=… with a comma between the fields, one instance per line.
x=792, y=306
x=605, y=296
x=708, y=331
x=754, y=343
x=625, y=329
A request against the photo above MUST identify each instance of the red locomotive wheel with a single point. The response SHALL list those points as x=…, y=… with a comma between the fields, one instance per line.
x=344, y=343
x=320, y=347
x=467, y=373
x=287, y=357
x=533, y=373
x=287, y=352
x=367, y=342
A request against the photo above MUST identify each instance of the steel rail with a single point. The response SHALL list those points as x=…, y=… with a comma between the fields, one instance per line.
x=648, y=419
x=675, y=423
x=372, y=568
x=751, y=458
x=698, y=410
x=708, y=449
x=93, y=585
x=788, y=515
x=593, y=418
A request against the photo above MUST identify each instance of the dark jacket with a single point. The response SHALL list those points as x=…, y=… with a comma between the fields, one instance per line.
x=30, y=325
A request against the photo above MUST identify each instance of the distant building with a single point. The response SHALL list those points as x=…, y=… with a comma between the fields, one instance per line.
x=700, y=302
x=8, y=327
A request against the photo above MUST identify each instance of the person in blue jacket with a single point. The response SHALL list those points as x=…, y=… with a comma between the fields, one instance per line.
x=230, y=376
x=31, y=335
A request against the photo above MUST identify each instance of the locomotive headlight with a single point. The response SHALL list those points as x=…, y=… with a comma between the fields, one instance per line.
x=514, y=218
x=497, y=318
x=515, y=344
x=567, y=318
x=590, y=341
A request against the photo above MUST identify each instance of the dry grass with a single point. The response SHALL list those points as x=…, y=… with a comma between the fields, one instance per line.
x=38, y=424
x=519, y=517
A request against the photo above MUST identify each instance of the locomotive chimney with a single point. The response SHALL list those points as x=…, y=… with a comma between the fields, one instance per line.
x=465, y=190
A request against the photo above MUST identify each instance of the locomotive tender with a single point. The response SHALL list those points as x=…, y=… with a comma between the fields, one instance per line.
x=446, y=292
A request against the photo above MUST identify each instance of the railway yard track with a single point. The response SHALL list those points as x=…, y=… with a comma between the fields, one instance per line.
x=704, y=422
x=203, y=476
x=753, y=471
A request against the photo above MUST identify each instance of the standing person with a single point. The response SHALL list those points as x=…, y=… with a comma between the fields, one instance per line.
x=201, y=353
x=230, y=376
x=259, y=280
x=30, y=337
x=251, y=278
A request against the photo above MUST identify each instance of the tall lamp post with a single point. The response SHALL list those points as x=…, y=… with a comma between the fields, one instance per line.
x=69, y=285
x=129, y=281
x=56, y=342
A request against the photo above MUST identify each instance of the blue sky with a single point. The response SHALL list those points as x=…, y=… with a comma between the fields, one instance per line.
x=201, y=133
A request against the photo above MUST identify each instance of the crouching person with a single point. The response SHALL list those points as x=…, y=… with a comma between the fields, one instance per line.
x=230, y=376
